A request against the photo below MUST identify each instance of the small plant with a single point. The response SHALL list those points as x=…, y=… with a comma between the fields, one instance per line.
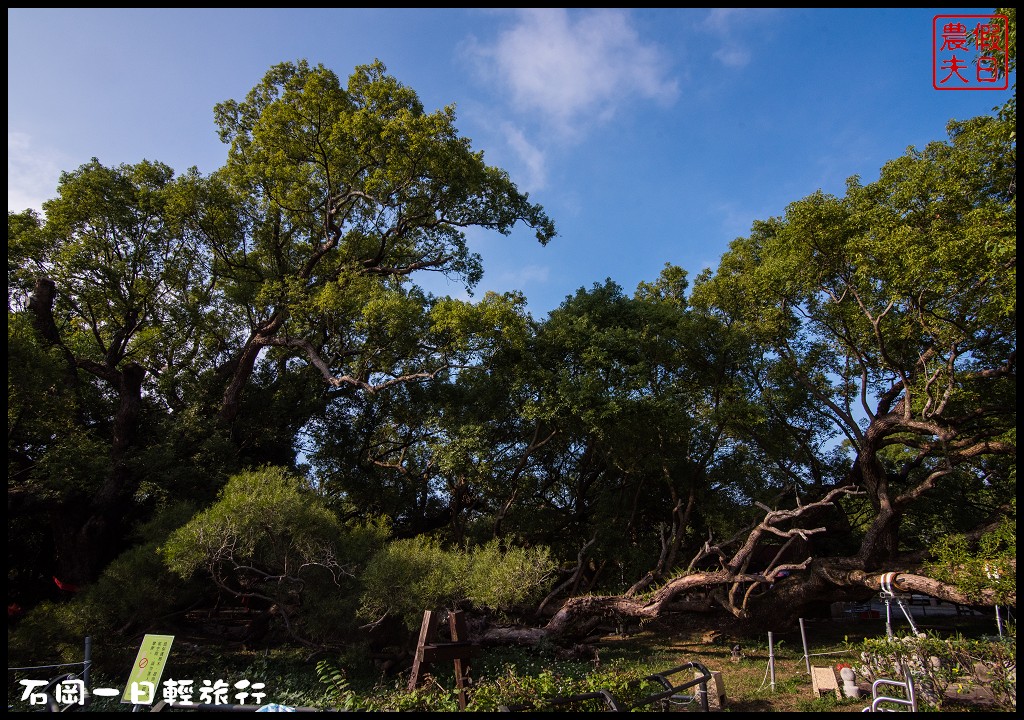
x=937, y=664
x=334, y=678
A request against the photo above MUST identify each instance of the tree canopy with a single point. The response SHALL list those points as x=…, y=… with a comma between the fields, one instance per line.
x=833, y=402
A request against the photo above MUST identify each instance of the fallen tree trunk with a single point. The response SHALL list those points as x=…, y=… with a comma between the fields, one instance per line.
x=909, y=582
x=825, y=581
x=782, y=592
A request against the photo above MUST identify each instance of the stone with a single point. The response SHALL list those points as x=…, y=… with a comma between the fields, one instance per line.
x=850, y=688
x=823, y=679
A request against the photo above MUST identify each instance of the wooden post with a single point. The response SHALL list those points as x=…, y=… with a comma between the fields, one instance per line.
x=426, y=631
x=457, y=625
x=716, y=689
x=459, y=651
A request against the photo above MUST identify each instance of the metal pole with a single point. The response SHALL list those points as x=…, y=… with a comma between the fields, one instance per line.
x=88, y=665
x=911, y=693
x=803, y=638
x=888, y=619
x=771, y=659
x=999, y=622
x=908, y=615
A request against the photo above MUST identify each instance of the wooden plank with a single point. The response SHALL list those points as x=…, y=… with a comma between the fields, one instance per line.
x=447, y=651
x=460, y=650
x=426, y=631
x=460, y=636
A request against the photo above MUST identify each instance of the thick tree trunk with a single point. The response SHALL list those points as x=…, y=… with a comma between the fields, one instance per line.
x=88, y=533
x=881, y=541
x=231, y=404
x=781, y=592
x=244, y=365
x=40, y=304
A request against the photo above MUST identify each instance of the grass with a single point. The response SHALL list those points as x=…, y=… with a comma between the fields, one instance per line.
x=533, y=676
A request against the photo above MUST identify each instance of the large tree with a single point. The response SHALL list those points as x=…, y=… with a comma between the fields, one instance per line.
x=895, y=307
x=100, y=282
x=885, y=320
x=342, y=194
x=229, y=310
x=888, y=314
x=835, y=397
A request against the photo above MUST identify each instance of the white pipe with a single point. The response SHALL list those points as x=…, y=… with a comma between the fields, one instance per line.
x=803, y=637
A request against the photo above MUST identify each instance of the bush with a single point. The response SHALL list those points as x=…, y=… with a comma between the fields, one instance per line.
x=505, y=579
x=271, y=538
x=137, y=589
x=134, y=590
x=431, y=577
x=938, y=664
x=627, y=684
x=988, y=564
x=54, y=632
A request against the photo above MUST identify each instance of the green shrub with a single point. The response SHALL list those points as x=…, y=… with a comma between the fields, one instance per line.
x=54, y=632
x=271, y=537
x=265, y=519
x=431, y=577
x=134, y=591
x=548, y=688
x=505, y=579
x=988, y=564
x=137, y=589
x=937, y=665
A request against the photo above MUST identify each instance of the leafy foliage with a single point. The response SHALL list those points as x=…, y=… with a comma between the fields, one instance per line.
x=936, y=664
x=432, y=577
x=554, y=689
x=54, y=630
x=504, y=578
x=893, y=308
x=122, y=600
x=270, y=538
x=988, y=564
x=168, y=335
x=334, y=678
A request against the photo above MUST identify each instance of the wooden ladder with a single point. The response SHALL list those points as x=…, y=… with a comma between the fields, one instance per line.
x=459, y=651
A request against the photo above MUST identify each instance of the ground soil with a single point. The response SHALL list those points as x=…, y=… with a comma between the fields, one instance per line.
x=676, y=639
x=709, y=640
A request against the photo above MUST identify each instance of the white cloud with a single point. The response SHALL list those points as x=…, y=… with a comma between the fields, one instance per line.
x=725, y=25
x=733, y=56
x=573, y=67
x=529, y=156
x=32, y=173
x=720, y=20
x=526, y=275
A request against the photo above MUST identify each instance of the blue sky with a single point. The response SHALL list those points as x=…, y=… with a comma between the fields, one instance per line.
x=648, y=135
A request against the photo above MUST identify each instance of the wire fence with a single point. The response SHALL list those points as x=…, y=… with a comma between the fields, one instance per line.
x=49, y=692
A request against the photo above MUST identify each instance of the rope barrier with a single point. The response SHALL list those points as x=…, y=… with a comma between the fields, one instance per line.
x=46, y=667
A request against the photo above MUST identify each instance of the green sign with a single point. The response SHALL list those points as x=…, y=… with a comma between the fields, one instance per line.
x=144, y=682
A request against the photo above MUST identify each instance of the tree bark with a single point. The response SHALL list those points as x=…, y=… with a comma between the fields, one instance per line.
x=88, y=533
x=766, y=595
